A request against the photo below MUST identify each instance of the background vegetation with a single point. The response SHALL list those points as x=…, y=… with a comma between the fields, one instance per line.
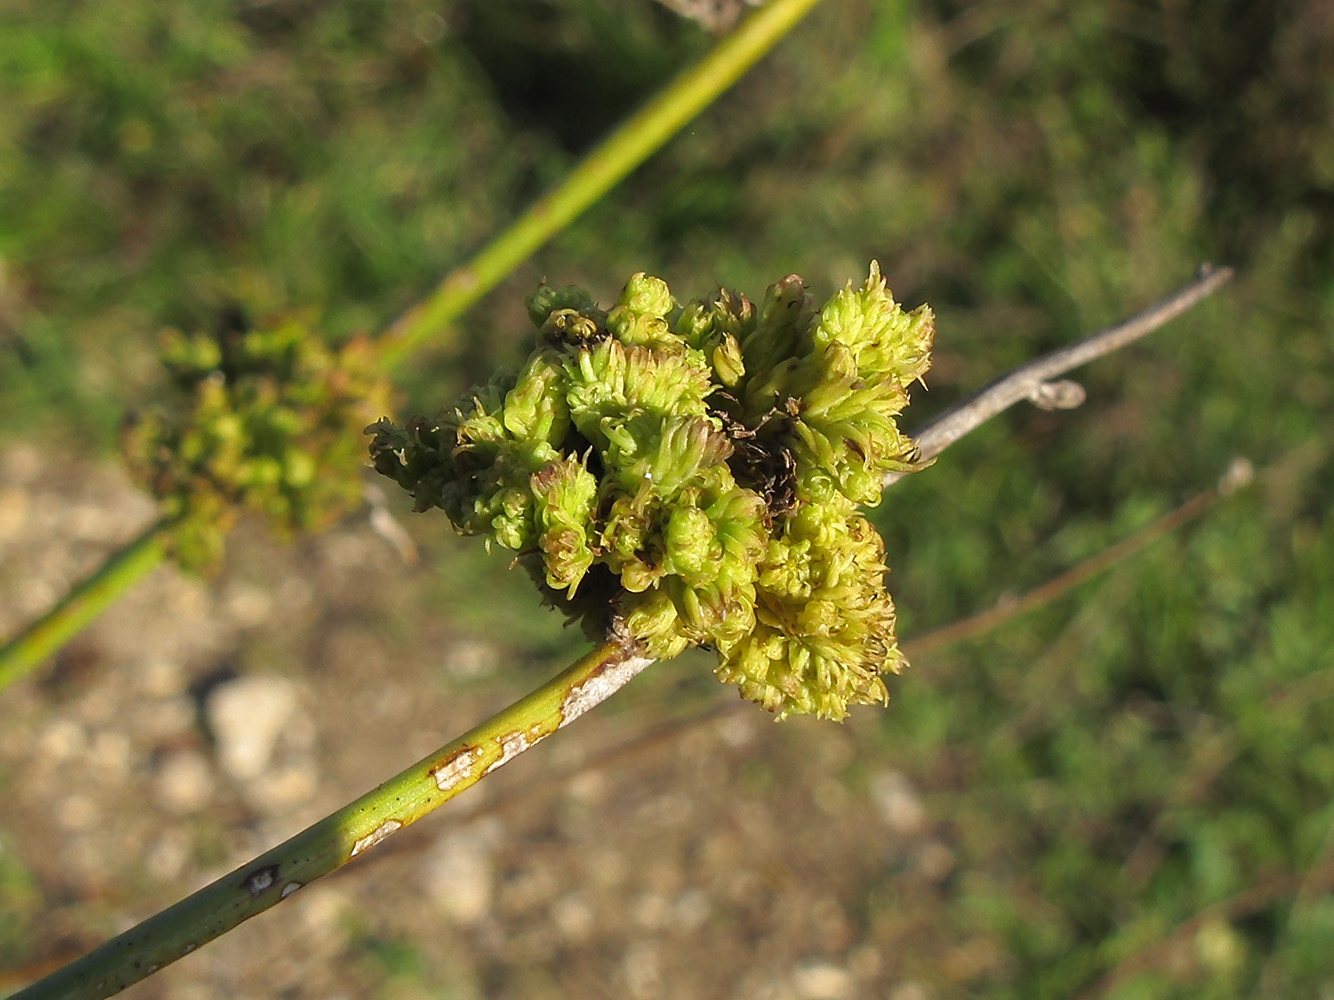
x=1126, y=793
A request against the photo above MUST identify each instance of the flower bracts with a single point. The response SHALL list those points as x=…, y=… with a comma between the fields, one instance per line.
x=265, y=421
x=691, y=475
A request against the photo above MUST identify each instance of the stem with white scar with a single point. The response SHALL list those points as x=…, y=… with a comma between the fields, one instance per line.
x=341, y=836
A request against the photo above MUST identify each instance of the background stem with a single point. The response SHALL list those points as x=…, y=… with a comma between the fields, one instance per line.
x=626, y=148
x=335, y=840
x=84, y=603
x=618, y=154
x=1028, y=380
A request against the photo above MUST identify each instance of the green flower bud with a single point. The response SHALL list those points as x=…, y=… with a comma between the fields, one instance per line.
x=702, y=468
x=640, y=317
x=565, y=493
x=610, y=382
x=716, y=329
x=781, y=335
x=824, y=623
x=885, y=341
x=546, y=300
x=264, y=422
x=535, y=408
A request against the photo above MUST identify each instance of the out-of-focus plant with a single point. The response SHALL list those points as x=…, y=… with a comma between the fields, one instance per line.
x=260, y=421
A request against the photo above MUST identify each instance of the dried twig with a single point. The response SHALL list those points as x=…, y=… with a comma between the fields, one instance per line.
x=1034, y=380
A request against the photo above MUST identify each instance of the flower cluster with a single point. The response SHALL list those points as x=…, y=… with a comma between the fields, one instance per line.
x=265, y=421
x=696, y=472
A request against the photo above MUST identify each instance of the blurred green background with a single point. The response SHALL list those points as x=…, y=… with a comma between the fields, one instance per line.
x=1133, y=782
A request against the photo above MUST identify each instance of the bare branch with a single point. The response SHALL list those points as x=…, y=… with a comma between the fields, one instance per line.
x=1033, y=380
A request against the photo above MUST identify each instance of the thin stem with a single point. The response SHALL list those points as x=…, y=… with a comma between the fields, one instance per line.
x=618, y=154
x=985, y=621
x=1033, y=379
x=84, y=603
x=338, y=838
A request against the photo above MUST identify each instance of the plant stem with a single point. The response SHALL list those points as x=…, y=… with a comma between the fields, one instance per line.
x=618, y=154
x=335, y=840
x=85, y=602
x=1032, y=380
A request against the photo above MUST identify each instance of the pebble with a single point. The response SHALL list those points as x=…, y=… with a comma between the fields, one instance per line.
x=459, y=874
x=573, y=916
x=246, y=716
x=821, y=981
x=897, y=802
x=183, y=783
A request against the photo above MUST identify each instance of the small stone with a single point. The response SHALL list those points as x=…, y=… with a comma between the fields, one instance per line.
x=460, y=876
x=76, y=812
x=161, y=678
x=821, y=981
x=247, y=715
x=62, y=740
x=573, y=917
x=897, y=802
x=248, y=605
x=168, y=855
x=935, y=860
x=691, y=910
x=651, y=910
x=642, y=967
x=184, y=782
x=283, y=788
x=13, y=513
x=471, y=659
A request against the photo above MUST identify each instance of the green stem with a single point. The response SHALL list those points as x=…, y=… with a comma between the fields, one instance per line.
x=335, y=840
x=84, y=603
x=619, y=153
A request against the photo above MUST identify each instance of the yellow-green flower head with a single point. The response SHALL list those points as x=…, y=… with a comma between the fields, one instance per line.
x=262, y=421
x=702, y=465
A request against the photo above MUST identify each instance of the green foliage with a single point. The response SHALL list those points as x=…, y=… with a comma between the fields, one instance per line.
x=698, y=469
x=1102, y=770
x=263, y=421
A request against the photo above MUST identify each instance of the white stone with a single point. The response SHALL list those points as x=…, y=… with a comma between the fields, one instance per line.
x=573, y=916
x=822, y=981
x=247, y=715
x=62, y=740
x=459, y=876
x=642, y=967
x=897, y=802
x=184, y=782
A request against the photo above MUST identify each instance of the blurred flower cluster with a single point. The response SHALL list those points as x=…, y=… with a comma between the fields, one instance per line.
x=691, y=475
x=263, y=420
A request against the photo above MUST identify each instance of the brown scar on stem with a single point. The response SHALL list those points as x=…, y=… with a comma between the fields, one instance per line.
x=375, y=836
x=455, y=767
